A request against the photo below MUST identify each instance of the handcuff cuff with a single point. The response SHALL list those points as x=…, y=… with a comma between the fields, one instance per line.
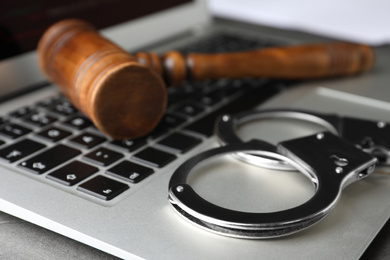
x=332, y=160
x=370, y=136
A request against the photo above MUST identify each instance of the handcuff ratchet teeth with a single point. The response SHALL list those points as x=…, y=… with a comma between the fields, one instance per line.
x=371, y=136
x=328, y=161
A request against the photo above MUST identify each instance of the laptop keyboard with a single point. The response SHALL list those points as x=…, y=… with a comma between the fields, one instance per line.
x=52, y=140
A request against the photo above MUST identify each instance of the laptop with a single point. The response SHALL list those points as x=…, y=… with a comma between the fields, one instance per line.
x=50, y=153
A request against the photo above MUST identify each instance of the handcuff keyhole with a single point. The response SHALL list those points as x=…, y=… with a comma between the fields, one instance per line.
x=339, y=161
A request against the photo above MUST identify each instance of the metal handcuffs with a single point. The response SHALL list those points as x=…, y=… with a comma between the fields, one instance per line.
x=329, y=161
x=371, y=136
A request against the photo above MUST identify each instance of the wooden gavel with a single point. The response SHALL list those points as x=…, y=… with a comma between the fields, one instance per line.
x=125, y=96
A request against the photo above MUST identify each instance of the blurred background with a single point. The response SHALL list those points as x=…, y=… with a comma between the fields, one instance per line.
x=365, y=21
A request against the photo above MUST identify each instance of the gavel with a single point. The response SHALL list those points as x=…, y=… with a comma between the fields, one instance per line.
x=125, y=95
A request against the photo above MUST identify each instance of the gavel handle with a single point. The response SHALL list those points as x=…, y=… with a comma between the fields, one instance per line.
x=126, y=99
x=312, y=61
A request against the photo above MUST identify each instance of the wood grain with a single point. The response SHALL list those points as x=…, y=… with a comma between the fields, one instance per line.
x=122, y=97
x=125, y=95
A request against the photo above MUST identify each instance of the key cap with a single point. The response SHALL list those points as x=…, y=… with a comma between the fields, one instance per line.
x=49, y=159
x=154, y=157
x=205, y=125
x=20, y=150
x=228, y=88
x=157, y=132
x=172, y=121
x=21, y=112
x=130, y=171
x=130, y=145
x=189, y=108
x=103, y=156
x=54, y=134
x=63, y=107
x=103, y=187
x=14, y=131
x=40, y=119
x=209, y=99
x=78, y=122
x=72, y=173
x=179, y=143
x=49, y=101
x=88, y=140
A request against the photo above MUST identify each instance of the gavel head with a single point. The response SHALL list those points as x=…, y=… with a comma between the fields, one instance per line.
x=123, y=98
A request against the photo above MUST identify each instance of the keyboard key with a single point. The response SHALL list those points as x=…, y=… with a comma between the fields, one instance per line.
x=205, y=125
x=157, y=132
x=88, y=140
x=14, y=131
x=49, y=159
x=103, y=187
x=54, y=134
x=63, y=107
x=20, y=150
x=130, y=145
x=72, y=173
x=49, y=101
x=154, y=157
x=103, y=156
x=228, y=87
x=179, y=143
x=21, y=112
x=172, y=121
x=39, y=119
x=129, y=171
x=209, y=99
x=189, y=108
x=78, y=122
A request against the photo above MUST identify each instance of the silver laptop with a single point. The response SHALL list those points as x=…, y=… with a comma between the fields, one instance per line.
x=52, y=157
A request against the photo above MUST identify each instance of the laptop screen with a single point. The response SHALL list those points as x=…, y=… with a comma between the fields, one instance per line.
x=23, y=22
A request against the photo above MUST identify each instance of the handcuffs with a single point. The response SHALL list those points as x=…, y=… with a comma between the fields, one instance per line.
x=347, y=152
